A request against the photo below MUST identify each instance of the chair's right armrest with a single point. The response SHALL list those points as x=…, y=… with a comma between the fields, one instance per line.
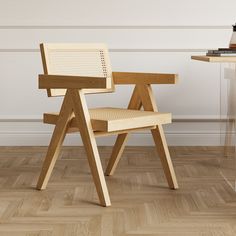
x=69, y=82
x=144, y=78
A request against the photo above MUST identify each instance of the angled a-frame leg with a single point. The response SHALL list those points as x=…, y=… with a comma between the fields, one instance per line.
x=135, y=103
x=55, y=143
x=84, y=123
x=149, y=104
x=143, y=96
x=74, y=103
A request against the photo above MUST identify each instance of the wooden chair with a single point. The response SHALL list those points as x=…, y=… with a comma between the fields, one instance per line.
x=73, y=70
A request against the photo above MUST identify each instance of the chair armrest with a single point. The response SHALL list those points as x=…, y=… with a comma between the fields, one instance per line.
x=143, y=78
x=67, y=81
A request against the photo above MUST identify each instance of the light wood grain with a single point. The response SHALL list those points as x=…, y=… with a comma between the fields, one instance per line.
x=51, y=118
x=149, y=104
x=55, y=144
x=84, y=123
x=146, y=97
x=214, y=59
x=143, y=78
x=142, y=204
x=115, y=119
x=135, y=103
x=66, y=81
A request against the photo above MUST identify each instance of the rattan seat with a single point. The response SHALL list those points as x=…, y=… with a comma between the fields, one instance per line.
x=113, y=119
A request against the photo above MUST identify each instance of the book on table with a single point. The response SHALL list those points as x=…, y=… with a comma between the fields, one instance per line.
x=222, y=52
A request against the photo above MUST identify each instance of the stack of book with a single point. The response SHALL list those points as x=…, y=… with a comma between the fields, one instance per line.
x=222, y=52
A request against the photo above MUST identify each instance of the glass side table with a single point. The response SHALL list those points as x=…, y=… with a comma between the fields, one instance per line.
x=227, y=161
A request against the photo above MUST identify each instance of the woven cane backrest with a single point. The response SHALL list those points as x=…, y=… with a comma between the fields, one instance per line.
x=76, y=59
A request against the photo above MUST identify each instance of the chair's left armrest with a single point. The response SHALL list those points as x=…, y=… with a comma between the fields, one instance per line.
x=77, y=82
x=144, y=78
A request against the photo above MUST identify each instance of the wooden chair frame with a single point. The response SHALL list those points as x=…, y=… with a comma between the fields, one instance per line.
x=74, y=116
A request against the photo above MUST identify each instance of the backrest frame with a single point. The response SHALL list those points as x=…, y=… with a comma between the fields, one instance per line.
x=47, y=48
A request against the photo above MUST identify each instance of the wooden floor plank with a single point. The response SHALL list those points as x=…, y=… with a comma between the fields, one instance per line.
x=142, y=203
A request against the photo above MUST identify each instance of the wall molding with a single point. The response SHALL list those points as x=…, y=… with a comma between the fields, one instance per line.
x=173, y=120
x=9, y=50
x=115, y=27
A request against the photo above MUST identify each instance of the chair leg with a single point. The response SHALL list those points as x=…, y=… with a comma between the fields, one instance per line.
x=116, y=153
x=55, y=145
x=149, y=104
x=96, y=169
x=89, y=141
x=135, y=103
x=163, y=152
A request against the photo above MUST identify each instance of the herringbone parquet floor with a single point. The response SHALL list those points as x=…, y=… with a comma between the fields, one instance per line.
x=142, y=204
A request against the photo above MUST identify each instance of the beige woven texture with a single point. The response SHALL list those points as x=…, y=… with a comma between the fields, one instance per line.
x=111, y=114
x=77, y=59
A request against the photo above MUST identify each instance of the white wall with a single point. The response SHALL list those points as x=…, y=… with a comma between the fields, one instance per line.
x=150, y=35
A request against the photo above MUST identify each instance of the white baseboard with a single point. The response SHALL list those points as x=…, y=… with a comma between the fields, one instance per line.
x=136, y=139
x=178, y=134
